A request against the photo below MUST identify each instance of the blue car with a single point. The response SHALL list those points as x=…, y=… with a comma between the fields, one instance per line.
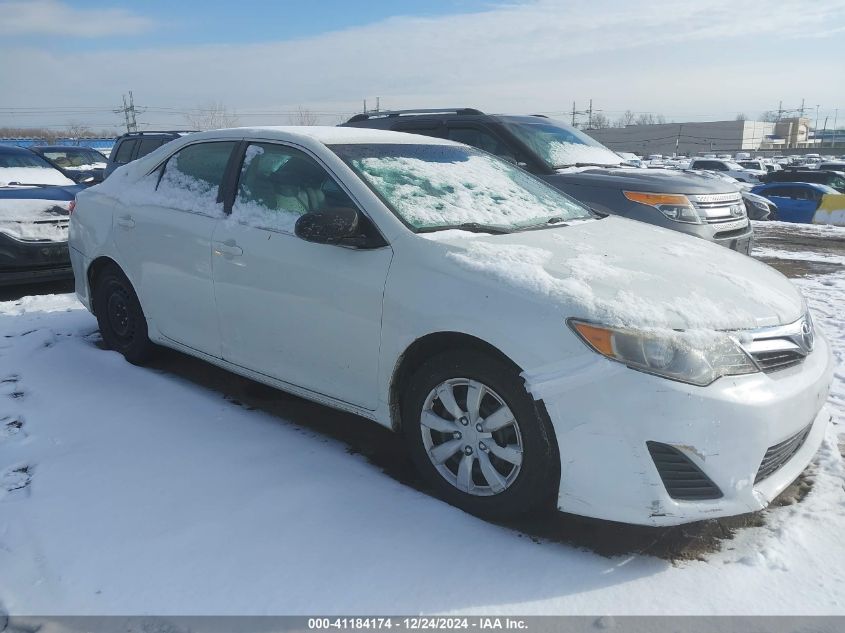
x=797, y=201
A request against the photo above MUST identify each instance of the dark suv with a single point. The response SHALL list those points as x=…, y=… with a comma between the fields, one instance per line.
x=692, y=202
x=827, y=177
x=134, y=145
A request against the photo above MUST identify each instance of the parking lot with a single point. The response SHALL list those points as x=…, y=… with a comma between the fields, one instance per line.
x=180, y=488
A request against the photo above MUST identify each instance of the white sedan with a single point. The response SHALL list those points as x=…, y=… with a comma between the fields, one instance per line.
x=529, y=350
x=729, y=168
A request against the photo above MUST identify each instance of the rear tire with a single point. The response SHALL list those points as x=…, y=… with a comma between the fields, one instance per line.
x=477, y=436
x=120, y=317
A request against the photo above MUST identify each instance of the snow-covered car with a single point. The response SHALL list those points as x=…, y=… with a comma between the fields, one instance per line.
x=528, y=349
x=34, y=205
x=732, y=169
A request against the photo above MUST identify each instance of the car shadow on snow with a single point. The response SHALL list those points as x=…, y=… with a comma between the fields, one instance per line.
x=385, y=450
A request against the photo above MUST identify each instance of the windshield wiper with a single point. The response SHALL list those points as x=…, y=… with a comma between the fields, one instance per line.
x=595, y=165
x=474, y=227
x=30, y=184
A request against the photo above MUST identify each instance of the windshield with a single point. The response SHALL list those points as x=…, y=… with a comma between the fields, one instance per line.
x=22, y=159
x=432, y=187
x=560, y=145
x=734, y=166
x=76, y=158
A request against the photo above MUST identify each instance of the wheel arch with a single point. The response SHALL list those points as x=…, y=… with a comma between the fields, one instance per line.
x=427, y=347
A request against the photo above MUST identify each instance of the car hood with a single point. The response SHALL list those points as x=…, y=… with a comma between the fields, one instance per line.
x=625, y=273
x=651, y=180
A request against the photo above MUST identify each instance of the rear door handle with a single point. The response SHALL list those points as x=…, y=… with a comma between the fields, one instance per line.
x=228, y=249
x=126, y=222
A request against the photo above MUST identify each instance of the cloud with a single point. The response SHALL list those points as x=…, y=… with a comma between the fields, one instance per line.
x=53, y=17
x=661, y=56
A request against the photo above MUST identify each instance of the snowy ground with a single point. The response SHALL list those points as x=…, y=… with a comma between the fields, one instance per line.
x=175, y=490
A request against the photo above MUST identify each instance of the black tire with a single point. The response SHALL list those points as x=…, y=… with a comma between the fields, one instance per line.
x=538, y=479
x=120, y=317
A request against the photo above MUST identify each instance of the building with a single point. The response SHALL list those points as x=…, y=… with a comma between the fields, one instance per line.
x=694, y=138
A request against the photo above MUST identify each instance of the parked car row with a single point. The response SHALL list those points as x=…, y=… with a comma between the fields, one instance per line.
x=532, y=347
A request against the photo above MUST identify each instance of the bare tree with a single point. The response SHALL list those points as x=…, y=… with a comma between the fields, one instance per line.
x=600, y=121
x=303, y=116
x=660, y=119
x=769, y=116
x=211, y=117
x=645, y=118
x=625, y=119
x=741, y=117
x=75, y=129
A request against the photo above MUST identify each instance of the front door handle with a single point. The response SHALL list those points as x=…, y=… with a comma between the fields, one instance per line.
x=126, y=222
x=228, y=249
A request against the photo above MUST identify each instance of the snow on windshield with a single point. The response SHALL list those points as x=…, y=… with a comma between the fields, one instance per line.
x=443, y=186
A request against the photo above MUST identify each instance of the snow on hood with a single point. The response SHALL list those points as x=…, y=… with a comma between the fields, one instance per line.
x=624, y=273
x=33, y=175
x=35, y=219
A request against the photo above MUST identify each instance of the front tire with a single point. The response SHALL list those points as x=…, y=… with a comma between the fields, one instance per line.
x=477, y=436
x=120, y=317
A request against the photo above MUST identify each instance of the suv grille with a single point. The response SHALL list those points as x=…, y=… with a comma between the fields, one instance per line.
x=781, y=453
x=778, y=359
x=719, y=207
x=682, y=479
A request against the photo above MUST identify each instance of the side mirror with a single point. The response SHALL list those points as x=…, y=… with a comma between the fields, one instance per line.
x=330, y=226
x=84, y=178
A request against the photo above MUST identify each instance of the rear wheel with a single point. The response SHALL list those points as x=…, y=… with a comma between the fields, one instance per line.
x=120, y=317
x=477, y=436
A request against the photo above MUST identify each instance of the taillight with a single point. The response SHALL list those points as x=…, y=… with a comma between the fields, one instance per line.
x=71, y=207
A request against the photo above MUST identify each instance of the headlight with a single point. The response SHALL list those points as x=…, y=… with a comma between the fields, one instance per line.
x=759, y=204
x=674, y=206
x=695, y=357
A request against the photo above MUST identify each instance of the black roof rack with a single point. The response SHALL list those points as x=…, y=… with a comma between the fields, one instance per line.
x=391, y=113
x=542, y=116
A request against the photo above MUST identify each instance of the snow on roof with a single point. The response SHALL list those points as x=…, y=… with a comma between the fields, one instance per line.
x=325, y=134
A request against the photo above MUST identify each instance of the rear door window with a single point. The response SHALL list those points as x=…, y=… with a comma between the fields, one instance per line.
x=148, y=145
x=124, y=152
x=191, y=178
x=482, y=139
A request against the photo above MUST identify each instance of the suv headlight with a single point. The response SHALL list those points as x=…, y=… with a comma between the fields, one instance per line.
x=674, y=206
x=695, y=357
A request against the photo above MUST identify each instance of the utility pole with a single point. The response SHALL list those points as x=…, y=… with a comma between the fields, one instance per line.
x=816, y=126
x=128, y=111
x=378, y=102
x=573, y=114
x=678, y=138
x=590, y=116
x=802, y=108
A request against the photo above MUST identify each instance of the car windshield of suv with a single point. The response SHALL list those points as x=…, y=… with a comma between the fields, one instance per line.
x=434, y=187
x=76, y=158
x=559, y=145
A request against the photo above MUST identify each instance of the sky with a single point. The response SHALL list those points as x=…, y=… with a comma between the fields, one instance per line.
x=67, y=61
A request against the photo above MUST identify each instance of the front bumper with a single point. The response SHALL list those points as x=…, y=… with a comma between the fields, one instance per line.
x=24, y=261
x=604, y=418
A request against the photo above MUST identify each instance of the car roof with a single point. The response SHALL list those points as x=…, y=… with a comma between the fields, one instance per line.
x=13, y=149
x=327, y=135
x=61, y=148
x=797, y=183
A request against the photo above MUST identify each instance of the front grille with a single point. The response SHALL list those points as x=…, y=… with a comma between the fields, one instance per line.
x=718, y=207
x=682, y=479
x=779, y=347
x=779, y=454
x=778, y=359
